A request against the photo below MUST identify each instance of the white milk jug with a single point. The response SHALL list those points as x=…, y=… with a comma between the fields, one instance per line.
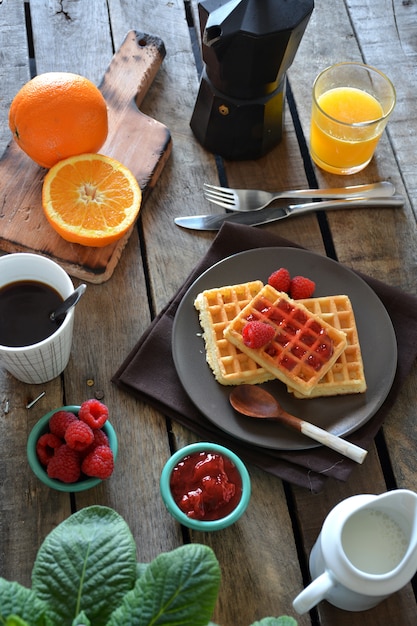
x=366, y=550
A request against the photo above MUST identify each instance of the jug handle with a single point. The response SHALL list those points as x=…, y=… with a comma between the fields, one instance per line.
x=313, y=594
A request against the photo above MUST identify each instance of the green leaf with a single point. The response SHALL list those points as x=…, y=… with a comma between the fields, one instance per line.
x=87, y=563
x=140, y=569
x=18, y=602
x=284, y=620
x=81, y=620
x=14, y=620
x=179, y=588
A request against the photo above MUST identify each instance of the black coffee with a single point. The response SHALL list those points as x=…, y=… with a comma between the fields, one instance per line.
x=25, y=307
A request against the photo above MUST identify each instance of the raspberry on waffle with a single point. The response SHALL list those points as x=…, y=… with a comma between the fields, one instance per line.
x=217, y=308
x=347, y=374
x=304, y=347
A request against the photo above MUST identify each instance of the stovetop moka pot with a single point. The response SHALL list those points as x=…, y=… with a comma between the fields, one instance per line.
x=247, y=47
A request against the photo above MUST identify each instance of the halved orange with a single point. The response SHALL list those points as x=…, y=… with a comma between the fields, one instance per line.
x=91, y=199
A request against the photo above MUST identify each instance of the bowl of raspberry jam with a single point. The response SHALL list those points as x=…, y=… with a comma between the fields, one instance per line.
x=205, y=486
x=63, y=455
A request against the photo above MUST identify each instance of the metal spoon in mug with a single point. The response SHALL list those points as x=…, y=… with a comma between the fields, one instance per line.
x=68, y=303
x=254, y=401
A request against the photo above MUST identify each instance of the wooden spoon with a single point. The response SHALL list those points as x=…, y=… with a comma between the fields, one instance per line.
x=254, y=401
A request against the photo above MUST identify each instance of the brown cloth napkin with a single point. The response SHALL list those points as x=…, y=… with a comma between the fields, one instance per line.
x=149, y=373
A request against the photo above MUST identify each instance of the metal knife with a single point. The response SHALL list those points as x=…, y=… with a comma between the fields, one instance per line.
x=272, y=214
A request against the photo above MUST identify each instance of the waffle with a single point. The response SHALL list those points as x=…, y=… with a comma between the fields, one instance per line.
x=217, y=307
x=304, y=347
x=347, y=374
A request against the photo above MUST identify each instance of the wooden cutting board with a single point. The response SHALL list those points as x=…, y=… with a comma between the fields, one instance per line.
x=134, y=139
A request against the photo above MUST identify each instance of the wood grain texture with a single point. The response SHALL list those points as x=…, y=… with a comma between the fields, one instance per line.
x=27, y=513
x=172, y=254
x=380, y=244
x=264, y=556
x=15, y=69
x=368, y=32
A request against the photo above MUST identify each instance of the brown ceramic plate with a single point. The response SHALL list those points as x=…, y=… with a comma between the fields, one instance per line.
x=340, y=415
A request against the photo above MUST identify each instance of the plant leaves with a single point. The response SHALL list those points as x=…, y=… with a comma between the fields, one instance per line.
x=284, y=620
x=178, y=588
x=17, y=601
x=87, y=563
x=81, y=620
x=14, y=620
x=140, y=569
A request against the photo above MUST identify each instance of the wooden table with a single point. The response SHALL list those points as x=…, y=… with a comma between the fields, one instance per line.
x=263, y=558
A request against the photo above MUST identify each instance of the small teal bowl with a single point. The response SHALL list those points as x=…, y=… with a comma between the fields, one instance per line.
x=179, y=515
x=40, y=428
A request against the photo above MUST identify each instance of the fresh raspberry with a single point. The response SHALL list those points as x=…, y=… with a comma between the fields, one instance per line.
x=99, y=463
x=93, y=413
x=100, y=439
x=46, y=446
x=280, y=280
x=301, y=288
x=59, y=422
x=65, y=465
x=257, y=334
x=79, y=435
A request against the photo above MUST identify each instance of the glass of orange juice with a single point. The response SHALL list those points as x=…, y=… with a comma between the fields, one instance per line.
x=351, y=106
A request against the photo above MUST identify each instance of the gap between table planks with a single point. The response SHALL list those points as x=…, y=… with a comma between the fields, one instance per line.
x=138, y=141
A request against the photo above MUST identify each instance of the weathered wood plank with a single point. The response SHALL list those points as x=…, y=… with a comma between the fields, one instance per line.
x=109, y=325
x=379, y=243
x=260, y=549
x=370, y=251
x=172, y=100
x=110, y=321
x=387, y=36
x=368, y=248
x=192, y=167
x=14, y=62
x=93, y=328
x=72, y=36
x=28, y=510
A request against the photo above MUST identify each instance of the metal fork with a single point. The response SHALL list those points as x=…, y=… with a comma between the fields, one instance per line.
x=253, y=199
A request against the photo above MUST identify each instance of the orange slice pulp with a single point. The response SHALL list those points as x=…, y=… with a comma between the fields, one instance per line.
x=91, y=199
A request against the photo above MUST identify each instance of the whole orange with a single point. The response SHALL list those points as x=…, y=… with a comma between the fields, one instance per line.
x=57, y=115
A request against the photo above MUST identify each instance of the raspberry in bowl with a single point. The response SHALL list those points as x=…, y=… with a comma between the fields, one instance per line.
x=205, y=486
x=73, y=448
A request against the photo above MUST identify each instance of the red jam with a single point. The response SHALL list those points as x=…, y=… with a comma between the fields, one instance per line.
x=295, y=327
x=206, y=486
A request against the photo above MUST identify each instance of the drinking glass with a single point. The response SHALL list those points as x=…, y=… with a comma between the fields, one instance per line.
x=351, y=105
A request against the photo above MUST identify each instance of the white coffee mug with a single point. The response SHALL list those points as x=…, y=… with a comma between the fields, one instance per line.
x=42, y=361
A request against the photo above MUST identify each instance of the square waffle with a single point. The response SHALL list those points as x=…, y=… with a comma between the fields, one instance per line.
x=217, y=308
x=304, y=347
x=347, y=374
